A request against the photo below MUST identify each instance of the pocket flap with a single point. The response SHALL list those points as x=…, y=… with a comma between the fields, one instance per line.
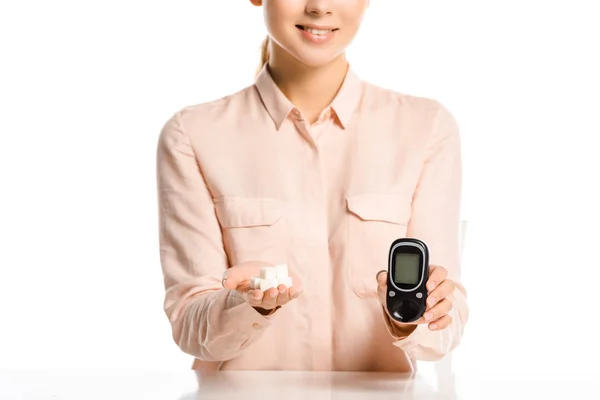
x=380, y=207
x=238, y=212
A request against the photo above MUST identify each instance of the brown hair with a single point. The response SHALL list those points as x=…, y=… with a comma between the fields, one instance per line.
x=264, y=54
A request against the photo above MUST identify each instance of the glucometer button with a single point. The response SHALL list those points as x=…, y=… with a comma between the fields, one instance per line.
x=415, y=309
x=408, y=311
x=415, y=305
x=392, y=293
x=419, y=295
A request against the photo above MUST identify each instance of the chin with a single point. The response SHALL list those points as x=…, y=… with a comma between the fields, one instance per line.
x=314, y=59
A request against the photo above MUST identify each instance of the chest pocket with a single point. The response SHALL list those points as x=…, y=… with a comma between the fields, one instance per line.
x=253, y=229
x=374, y=222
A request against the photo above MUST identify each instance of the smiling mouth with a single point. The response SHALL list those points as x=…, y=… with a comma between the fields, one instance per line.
x=316, y=31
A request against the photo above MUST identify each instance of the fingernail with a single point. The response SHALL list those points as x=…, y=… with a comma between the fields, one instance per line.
x=431, y=301
x=273, y=294
x=431, y=285
x=428, y=316
x=433, y=326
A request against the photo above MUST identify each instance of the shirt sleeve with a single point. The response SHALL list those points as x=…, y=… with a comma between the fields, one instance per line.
x=207, y=321
x=435, y=219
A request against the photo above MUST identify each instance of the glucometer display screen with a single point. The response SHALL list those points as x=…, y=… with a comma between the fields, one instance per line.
x=407, y=269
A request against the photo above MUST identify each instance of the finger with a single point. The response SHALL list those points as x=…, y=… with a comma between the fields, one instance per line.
x=224, y=280
x=254, y=297
x=437, y=275
x=441, y=292
x=439, y=310
x=382, y=279
x=233, y=278
x=240, y=275
x=296, y=288
x=440, y=323
x=269, y=300
x=284, y=295
x=294, y=293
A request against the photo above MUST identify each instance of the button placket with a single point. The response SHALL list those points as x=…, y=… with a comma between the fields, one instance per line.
x=303, y=128
x=319, y=230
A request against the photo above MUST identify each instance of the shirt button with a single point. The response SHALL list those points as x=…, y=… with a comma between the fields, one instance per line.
x=256, y=325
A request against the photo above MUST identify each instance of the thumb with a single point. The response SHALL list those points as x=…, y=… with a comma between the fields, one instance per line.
x=235, y=276
x=382, y=278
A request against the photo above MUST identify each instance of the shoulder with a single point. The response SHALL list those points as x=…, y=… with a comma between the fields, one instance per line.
x=213, y=113
x=424, y=119
x=427, y=115
x=378, y=97
x=223, y=108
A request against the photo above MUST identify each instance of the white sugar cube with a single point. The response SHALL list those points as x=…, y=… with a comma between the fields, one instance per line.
x=268, y=273
x=255, y=282
x=282, y=271
x=271, y=277
x=267, y=284
x=287, y=281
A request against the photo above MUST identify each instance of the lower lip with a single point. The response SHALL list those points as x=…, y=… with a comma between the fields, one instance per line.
x=317, y=38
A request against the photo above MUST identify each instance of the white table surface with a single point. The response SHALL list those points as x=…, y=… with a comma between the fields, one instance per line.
x=185, y=385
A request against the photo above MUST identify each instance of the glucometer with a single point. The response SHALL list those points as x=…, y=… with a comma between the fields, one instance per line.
x=408, y=272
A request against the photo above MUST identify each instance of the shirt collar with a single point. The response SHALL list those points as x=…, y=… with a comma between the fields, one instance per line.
x=279, y=107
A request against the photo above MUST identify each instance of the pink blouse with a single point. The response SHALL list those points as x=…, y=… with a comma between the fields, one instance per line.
x=246, y=177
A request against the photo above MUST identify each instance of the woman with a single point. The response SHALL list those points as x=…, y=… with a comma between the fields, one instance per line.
x=312, y=167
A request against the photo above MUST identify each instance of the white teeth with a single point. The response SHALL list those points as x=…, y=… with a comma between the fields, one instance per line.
x=317, y=31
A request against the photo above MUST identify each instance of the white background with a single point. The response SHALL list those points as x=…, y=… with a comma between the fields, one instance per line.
x=86, y=86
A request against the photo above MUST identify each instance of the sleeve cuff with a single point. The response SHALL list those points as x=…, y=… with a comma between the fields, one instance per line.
x=409, y=343
x=242, y=317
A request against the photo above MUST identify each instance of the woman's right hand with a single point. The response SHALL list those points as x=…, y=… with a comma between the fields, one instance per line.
x=238, y=278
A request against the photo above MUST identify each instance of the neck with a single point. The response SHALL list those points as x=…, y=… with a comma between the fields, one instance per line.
x=310, y=89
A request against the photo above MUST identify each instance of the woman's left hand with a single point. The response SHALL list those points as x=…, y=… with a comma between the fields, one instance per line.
x=438, y=304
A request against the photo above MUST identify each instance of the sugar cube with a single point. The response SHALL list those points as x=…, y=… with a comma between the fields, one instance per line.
x=271, y=277
x=282, y=271
x=255, y=282
x=267, y=284
x=268, y=273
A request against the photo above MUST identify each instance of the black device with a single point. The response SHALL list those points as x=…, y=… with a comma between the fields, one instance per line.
x=408, y=272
